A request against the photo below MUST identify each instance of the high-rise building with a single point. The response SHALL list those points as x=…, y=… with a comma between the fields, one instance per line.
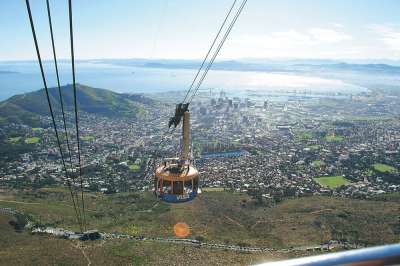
x=265, y=104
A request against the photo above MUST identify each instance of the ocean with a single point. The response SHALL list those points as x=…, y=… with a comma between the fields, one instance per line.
x=21, y=77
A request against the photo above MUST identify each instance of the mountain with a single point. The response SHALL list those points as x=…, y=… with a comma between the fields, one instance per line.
x=367, y=68
x=269, y=65
x=26, y=108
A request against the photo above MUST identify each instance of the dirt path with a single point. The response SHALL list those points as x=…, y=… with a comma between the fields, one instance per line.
x=19, y=202
x=324, y=210
x=82, y=249
x=233, y=221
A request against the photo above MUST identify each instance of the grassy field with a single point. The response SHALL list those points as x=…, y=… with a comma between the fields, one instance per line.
x=332, y=181
x=318, y=163
x=384, y=168
x=14, y=140
x=134, y=167
x=88, y=138
x=334, y=138
x=37, y=129
x=32, y=140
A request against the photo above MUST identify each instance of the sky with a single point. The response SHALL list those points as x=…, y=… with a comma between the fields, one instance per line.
x=184, y=29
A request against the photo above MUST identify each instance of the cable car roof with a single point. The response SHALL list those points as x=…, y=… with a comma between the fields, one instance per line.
x=185, y=175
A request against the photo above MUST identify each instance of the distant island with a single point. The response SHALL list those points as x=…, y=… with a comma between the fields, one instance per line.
x=8, y=72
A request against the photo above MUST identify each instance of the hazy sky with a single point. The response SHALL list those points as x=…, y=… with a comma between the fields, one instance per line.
x=362, y=29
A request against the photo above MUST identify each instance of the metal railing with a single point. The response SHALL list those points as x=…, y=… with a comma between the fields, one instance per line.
x=382, y=255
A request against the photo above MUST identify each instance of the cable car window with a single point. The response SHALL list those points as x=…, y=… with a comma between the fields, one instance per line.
x=188, y=186
x=178, y=187
x=166, y=185
x=195, y=184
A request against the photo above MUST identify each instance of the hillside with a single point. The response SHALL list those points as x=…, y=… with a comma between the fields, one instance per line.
x=46, y=250
x=213, y=217
x=26, y=108
x=222, y=217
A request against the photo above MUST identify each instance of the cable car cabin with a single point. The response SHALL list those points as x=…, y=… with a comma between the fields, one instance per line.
x=176, y=180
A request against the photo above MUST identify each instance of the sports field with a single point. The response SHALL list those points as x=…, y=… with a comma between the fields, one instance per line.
x=88, y=138
x=332, y=181
x=334, y=138
x=384, y=168
x=32, y=140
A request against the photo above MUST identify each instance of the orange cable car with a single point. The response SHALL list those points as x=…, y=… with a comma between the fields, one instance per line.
x=176, y=179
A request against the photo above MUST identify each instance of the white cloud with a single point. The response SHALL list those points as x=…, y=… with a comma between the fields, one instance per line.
x=312, y=42
x=337, y=25
x=289, y=36
x=323, y=35
x=388, y=34
x=378, y=41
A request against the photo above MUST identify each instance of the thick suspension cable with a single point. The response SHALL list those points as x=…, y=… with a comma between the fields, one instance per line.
x=76, y=108
x=218, y=49
x=60, y=96
x=58, y=82
x=51, y=108
x=169, y=132
x=226, y=34
x=210, y=49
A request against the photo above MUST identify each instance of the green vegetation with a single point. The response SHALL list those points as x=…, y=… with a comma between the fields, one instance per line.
x=334, y=138
x=88, y=138
x=28, y=107
x=134, y=167
x=212, y=189
x=132, y=230
x=302, y=135
x=11, y=151
x=332, y=181
x=384, y=168
x=220, y=217
x=37, y=129
x=314, y=147
x=318, y=163
x=14, y=140
x=32, y=140
x=44, y=250
x=368, y=172
x=370, y=118
x=223, y=217
x=142, y=112
x=11, y=112
x=393, y=197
